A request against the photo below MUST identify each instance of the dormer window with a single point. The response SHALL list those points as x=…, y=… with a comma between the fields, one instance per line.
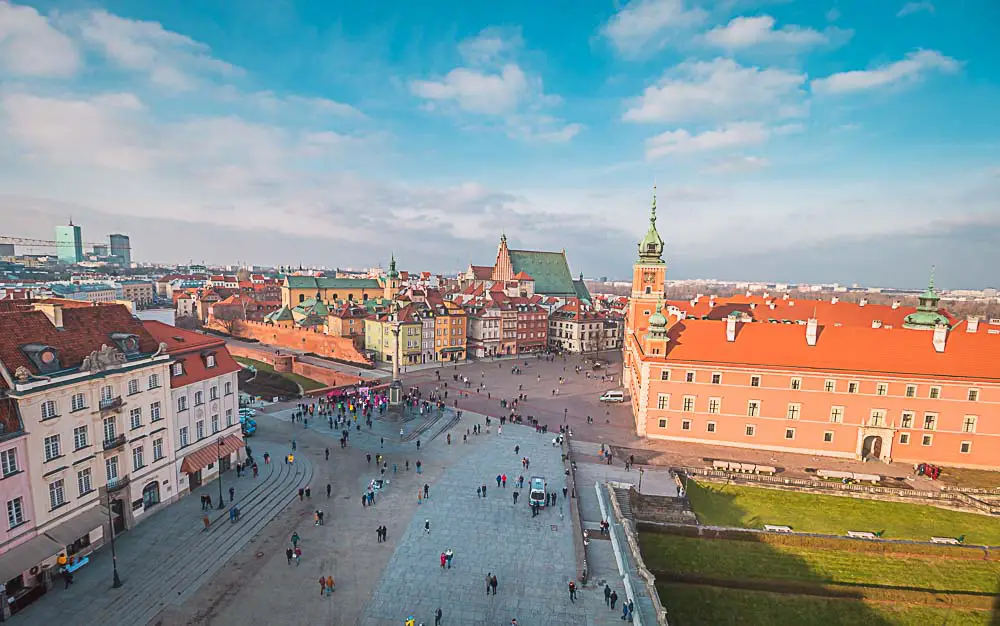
x=126, y=342
x=44, y=358
x=177, y=369
x=208, y=358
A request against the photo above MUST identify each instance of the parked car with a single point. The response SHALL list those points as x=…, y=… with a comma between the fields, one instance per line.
x=536, y=491
x=248, y=412
x=612, y=396
x=249, y=426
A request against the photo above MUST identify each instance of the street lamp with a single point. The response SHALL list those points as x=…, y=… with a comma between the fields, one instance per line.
x=565, y=413
x=222, y=503
x=116, y=581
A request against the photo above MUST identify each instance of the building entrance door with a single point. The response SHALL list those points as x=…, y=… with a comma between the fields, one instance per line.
x=194, y=480
x=872, y=448
x=118, y=515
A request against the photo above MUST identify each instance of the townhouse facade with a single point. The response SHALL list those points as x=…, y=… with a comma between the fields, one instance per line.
x=90, y=386
x=206, y=437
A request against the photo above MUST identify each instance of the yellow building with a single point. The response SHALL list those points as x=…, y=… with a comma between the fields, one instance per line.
x=296, y=290
x=450, y=321
x=379, y=338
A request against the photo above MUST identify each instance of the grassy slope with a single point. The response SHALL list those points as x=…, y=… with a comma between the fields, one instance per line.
x=752, y=507
x=307, y=383
x=744, y=559
x=693, y=605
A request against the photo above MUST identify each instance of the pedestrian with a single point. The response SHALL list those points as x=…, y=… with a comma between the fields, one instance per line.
x=427, y=490
x=448, y=554
x=288, y=555
x=419, y=465
x=302, y=493
x=444, y=559
x=503, y=479
x=493, y=584
x=207, y=522
x=499, y=478
x=298, y=556
x=232, y=494
x=369, y=457
x=381, y=442
x=255, y=470
x=328, y=454
x=484, y=490
x=624, y=611
x=420, y=496
x=295, y=540
x=329, y=488
x=385, y=533
x=565, y=489
x=427, y=526
x=607, y=594
x=322, y=585
x=208, y=501
x=364, y=500
x=613, y=598
x=516, y=494
x=437, y=617
x=489, y=582
x=572, y=591
x=330, y=584
x=479, y=492
x=517, y=449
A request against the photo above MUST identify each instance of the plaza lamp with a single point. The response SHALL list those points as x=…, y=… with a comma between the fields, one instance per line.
x=116, y=580
x=222, y=503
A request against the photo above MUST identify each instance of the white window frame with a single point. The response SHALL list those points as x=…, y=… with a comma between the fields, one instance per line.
x=154, y=412
x=8, y=462
x=49, y=409
x=755, y=380
x=792, y=431
x=934, y=420
x=215, y=423
x=828, y=436
x=662, y=423
x=15, y=512
x=753, y=408
x=182, y=403
x=229, y=387
x=795, y=384
x=904, y=439
x=837, y=414
x=689, y=404
x=750, y=430
x=57, y=494
x=78, y=402
x=854, y=386
x=183, y=436
x=973, y=395
x=830, y=385
x=153, y=381
x=794, y=411
x=107, y=393
x=138, y=462
x=664, y=374
x=907, y=414
x=135, y=417
x=52, y=447
x=881, y=389
x=111, y=468
x=157, y=449
x=965, y=423
x=911, y=391
x=199, y=429
x=662, y=401
x=199, y=398
x=84, y=481
x=177, y=369
x=877, y=417
x=690, y=376
x=965, y=447
x=710, y=427
x=716, y=378
x=133, y=386
x=927, y=440
x=715, y=406
x=934, y=393
x=81, y=437
x=229, y=418
x=686, y=425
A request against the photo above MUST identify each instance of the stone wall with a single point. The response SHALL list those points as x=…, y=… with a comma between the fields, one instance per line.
x=291, y=363
x=340, y=348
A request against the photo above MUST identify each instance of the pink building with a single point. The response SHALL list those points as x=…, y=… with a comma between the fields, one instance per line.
x=921, y=389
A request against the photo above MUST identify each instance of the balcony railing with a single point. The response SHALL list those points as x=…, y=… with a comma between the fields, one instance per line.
x=116, y=484
x=110, y=404
x=115, y=442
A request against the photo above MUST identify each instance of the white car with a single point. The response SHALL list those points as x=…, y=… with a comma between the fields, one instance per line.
x=245, y=412
x=612, y=396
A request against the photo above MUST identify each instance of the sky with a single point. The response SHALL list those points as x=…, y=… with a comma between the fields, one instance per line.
x=788, y=140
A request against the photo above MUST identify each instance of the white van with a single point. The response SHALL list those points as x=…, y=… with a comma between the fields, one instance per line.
x=612, y=396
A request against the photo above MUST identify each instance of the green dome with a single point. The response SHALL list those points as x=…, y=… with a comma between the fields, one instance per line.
x=651, y=246
x=657, y=319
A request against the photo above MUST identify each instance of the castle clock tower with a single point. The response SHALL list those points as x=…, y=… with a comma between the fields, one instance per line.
x=649, y=275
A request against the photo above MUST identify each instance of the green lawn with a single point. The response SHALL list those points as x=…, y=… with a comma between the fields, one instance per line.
x=307, y=384
x=752, y=507
x=730, y=559
x=695, y=605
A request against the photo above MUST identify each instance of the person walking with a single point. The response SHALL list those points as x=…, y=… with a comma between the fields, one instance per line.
x=607, y=594
x=572, y=591
x=328, y=454
x=427, y=527
x=437, y=617
x=330, y=587
x=322, y=585
x=329, y=488
x=493, y=584
x=288, y=555
x=503, y=479
x=295, y=540
x=515, y=494
x=232, y=494
x=613, y=599
x=484, y=490
x=427, y=491
x=207, y=522
x=298, y=556
x=489, y=582
x=499, y=478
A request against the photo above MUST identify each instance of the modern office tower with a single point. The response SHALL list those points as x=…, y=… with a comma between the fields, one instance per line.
x=100, y=250
x=120, y=248
x=69, y=244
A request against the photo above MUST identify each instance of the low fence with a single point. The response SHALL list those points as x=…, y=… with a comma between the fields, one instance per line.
x=940, y=498
x=579, y=545
x=632, y=539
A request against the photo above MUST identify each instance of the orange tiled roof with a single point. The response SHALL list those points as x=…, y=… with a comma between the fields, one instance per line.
x=838, y=348
x=188, y=346
x=482, y=272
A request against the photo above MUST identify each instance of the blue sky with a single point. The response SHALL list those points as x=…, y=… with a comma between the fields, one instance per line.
x=801, y=140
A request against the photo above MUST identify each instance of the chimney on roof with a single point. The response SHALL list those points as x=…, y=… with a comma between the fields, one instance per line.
x=834, y=300
x=784, y=296
x=749, y=293
x=863, y=302
x=771, y=305
x=731, y=328
x=766, y=295
x=972, y=324
x=876, y=323
x=895, y=305
x=811, y=328
x=940, y=336
x=52, y=311
x=753, y=305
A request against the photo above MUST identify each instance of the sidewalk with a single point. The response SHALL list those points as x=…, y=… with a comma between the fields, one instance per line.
x=165, y=559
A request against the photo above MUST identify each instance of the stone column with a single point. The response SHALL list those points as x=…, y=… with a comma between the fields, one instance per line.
x=395, y=387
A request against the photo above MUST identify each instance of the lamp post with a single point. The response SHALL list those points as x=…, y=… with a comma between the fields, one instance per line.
x=116, y=581
x=218, y=450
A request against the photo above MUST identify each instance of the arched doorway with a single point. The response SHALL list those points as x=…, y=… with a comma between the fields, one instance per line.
x=151, y=494
x=872, y=448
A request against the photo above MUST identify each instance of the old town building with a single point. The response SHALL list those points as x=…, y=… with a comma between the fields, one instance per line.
x=532, y=327
x=830, y=381
x=577, y=328
x=204, y=398
x=89, y=387
x=380, y=340
x=484, y=330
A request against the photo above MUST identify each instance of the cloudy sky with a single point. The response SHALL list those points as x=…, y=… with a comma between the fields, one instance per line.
x=819, y=140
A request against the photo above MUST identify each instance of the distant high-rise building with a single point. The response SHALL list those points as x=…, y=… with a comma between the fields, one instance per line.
x=6, y=249
x=120, y=248
x=69, y=244
x=100, y=250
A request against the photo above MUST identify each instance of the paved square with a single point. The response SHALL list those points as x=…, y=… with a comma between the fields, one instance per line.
x=532, y=558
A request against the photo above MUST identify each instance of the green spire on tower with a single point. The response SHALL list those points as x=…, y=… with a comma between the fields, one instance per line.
x=651, y=246
x=392, y=267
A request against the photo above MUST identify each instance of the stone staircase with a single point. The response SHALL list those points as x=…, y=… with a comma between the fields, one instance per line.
x=656, y=508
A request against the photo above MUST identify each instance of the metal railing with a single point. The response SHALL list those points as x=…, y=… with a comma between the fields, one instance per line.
x=116, y=484
x=110, y=403
x=115, y=442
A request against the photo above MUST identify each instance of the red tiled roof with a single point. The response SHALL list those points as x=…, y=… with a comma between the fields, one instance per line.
x=9, y=419
x=188, y=346
x=84, y=330
x=210, y=453
x=482, y=272
x=838, y=348
x=522, y=275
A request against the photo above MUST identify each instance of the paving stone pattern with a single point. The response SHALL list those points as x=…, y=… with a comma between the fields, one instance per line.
x=167, y=558
x=532, y=558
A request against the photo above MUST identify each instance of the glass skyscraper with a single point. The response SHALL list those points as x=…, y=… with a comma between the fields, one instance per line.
x=69, y=244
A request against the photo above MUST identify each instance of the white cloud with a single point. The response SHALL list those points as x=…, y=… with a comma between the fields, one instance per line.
x=719, y=89
x=168, y=59
x=833, y=15
x=477, y=92
x=915, y=7
x=789, y=129
x=760, y=31
x=31, y=46
x=682, y=142
x=912, y=68
x=737, y=165
x=495, y=85
x=645, y=25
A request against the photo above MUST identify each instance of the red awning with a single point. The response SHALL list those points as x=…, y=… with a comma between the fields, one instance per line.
x=210, y=453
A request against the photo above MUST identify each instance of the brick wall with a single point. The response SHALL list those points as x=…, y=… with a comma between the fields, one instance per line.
x=341, y=348
x=291, y=363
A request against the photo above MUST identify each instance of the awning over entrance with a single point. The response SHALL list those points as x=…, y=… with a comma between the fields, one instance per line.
x=210, y=454
x=27, y=555
x=71, y=530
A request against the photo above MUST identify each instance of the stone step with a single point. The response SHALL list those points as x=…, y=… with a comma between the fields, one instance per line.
x=173, y=580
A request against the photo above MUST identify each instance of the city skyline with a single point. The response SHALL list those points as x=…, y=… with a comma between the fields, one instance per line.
x=794, y=142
